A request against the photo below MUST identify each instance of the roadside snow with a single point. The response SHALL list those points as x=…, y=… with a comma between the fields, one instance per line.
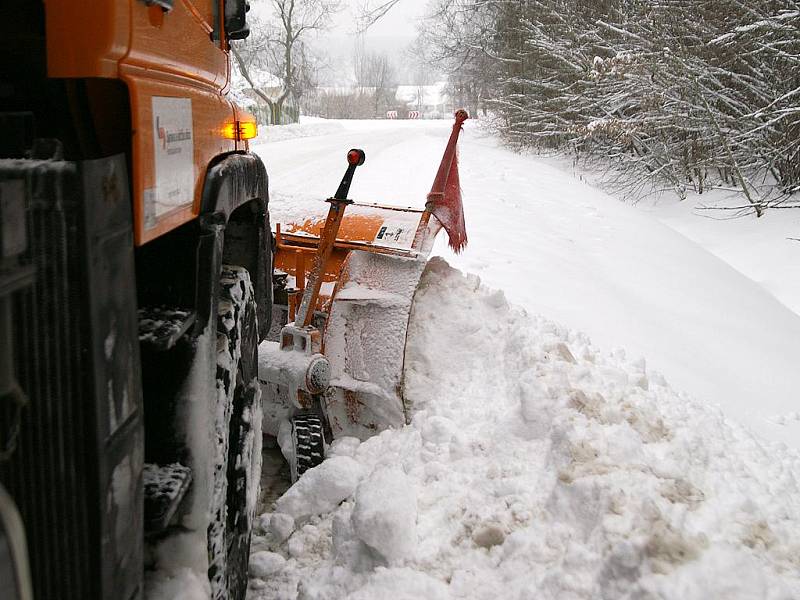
x=620, y=273
x=307, y=127
x=537, y=466
x=264, y=564
x=764, y=249
x=384, y=514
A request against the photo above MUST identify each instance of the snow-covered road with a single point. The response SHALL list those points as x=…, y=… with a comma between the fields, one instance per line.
x=561, y=248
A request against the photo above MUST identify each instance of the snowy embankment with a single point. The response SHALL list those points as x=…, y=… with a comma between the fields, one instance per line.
x=309, y=127
x=535, y=466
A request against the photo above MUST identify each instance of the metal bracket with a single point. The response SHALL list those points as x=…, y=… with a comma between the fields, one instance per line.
x=166, y=5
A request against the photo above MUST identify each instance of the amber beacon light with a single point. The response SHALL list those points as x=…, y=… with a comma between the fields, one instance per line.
x=240, y=130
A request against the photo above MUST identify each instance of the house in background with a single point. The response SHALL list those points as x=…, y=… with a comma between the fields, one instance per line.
x=252, y=101
x=365, y=102
x=353, y=102
x=348, y=102
x=430, y=101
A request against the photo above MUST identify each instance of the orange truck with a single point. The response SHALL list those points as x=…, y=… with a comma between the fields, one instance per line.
x=135, y=286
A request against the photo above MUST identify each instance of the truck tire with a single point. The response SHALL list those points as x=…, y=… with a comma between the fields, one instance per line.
x=237, y=467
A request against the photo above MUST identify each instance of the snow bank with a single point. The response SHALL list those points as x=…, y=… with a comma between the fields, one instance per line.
x=321, y=489
x=307, y=127
x=385, y=514
x=541, y=467
x=263, y=563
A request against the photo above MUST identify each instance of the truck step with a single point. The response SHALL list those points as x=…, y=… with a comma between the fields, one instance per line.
x=161, y=327
x=164, y=488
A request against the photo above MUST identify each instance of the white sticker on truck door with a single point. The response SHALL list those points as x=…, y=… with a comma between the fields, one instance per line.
x=173, y=150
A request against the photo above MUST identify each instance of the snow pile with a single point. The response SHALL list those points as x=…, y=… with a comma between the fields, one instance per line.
x=384, y=513
x=182, y=569
x=264, y=564
x=627, y=275
x=535, y=466
x=307, y=127
x=321, y=489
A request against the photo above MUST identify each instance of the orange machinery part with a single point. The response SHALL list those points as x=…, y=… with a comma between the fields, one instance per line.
x=297, y=244
x=156, y=53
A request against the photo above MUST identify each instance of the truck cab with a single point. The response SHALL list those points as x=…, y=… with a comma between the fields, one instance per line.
x=135, y=283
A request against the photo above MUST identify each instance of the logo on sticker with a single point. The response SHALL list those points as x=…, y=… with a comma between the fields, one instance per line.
x=387, y=234
x=170, y=138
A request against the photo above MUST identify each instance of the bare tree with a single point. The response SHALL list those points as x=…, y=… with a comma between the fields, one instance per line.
x=279, y=49
x=454, y=41
x=376, y=78
x=372, y=11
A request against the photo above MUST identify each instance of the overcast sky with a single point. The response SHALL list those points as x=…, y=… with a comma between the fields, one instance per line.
x=399, y=22
x=391, y=34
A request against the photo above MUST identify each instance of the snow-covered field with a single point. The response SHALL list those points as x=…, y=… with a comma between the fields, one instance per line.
x=538, y=463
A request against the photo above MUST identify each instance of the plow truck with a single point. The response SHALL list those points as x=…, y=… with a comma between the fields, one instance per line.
x=141, y=353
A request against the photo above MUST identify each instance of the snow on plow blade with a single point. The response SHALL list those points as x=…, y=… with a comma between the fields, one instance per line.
x=362, y=309
x=347, y=283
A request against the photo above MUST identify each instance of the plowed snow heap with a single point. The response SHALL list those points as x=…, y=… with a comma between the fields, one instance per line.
x=534, y=466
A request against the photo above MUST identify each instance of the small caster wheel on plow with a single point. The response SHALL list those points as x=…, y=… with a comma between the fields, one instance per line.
x=308, y=440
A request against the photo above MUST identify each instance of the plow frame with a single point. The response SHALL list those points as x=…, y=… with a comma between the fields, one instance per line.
x=295, y=250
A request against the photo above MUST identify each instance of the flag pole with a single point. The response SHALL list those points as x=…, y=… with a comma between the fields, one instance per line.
x=437, y=196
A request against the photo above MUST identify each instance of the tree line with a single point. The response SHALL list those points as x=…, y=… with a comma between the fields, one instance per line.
x=371, y=94
x=687, y=95
x=275, y=62
x=278, y=68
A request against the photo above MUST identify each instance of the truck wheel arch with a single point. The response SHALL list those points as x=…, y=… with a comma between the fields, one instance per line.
x=236, y=193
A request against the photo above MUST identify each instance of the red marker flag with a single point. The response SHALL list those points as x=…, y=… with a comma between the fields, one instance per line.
x=444, y=199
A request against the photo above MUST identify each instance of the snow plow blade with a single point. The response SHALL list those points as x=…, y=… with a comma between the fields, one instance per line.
x=361, y=311
x=346, y=284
